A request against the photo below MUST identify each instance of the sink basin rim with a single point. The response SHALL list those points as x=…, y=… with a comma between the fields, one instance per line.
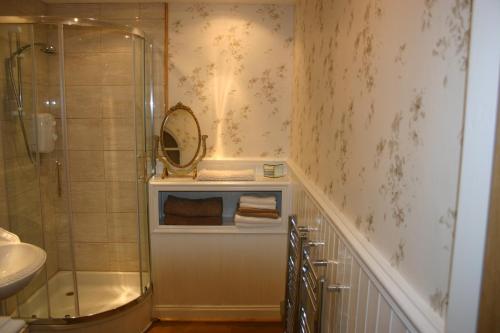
x=40, y=258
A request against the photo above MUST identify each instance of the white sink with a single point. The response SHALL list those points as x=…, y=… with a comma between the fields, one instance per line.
x=19, y=263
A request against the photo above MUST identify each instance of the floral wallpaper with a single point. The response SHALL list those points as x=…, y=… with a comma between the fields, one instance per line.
x=377, y=123
x=232, y=64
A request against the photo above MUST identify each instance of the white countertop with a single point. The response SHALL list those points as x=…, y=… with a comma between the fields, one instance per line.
x=187, y=181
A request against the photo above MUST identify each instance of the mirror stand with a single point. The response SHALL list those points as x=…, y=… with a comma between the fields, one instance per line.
x=181, y=144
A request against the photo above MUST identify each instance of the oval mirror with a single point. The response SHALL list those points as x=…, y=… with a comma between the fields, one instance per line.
x=180, y=137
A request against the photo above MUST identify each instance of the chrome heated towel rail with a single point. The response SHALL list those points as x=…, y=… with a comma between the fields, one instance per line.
x=296, y=239
x=306, y=284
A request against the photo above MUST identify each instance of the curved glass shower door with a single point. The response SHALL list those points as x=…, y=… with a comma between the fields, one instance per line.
x=80, y=191
x=32, y=154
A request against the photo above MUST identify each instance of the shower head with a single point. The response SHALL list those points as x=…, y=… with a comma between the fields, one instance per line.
x=49, y=49
x=45, y=48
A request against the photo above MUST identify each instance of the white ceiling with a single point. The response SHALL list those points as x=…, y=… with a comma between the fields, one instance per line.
x=177, y=1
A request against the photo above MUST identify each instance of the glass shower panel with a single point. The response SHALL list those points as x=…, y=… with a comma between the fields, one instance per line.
x=83, y=124
x=54, y=177
x=142, y=62
x=20, y=159
x=30, y=154
x=12, y=147
x=19, y=156
x=99, y=84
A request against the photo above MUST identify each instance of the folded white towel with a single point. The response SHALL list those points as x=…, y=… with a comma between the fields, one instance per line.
x=261, y=221
x=257, y=225
x=226, y=175
x=257, y=206
x=8, y=325
x=253, y=199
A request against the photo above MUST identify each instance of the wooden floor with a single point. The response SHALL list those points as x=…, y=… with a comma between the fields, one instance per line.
x=215, y=327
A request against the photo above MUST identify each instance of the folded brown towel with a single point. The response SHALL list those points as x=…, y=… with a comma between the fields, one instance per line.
x=190, y=220
x=211, y=207
x=255, y=212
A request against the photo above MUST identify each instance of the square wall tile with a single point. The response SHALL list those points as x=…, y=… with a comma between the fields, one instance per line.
x=25, y=212
x=91, y=256
x=84, y=68
x=12, y=146
x=116, y=41
x=20, y=175
x=81, y=39
x=88, y=197
x=74, y=10
x=152, y=11
x=120, y=11
x=52, y=263
x=124, y=257
x=85, y=134
x=4, y=214
x=89, y=227
x=117, y=68
x=64, y=256
x=121, y=197
x=120, y=165
x=83, y=101
x=61, y=203
x=62, y=227
x=155, y=29
x=117, y=101
x=118, y=134
x=122, y=227
x=86, y=165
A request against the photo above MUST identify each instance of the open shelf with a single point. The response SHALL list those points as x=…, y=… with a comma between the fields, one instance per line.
x=230, y=199
x=230, y=192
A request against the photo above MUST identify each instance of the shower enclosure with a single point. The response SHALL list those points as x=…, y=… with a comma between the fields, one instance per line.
x=75, y=158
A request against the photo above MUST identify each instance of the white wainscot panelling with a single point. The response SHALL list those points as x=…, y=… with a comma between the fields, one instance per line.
x=218, y=276
x=365, y=307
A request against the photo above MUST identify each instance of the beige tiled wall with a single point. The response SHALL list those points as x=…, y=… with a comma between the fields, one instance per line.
x=22, y=7
x=101, y=134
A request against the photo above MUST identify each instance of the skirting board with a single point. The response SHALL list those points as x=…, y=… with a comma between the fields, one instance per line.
x=218, y=312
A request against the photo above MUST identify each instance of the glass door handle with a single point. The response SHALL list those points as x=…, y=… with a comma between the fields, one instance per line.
x=144, y=176
x=58, y=174
x=156, y=144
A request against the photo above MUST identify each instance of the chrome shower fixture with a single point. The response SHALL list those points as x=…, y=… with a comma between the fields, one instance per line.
x=45, y=48
x=13, y=61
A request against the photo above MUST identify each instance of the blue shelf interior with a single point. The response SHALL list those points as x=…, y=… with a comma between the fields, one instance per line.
x=230, y=199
